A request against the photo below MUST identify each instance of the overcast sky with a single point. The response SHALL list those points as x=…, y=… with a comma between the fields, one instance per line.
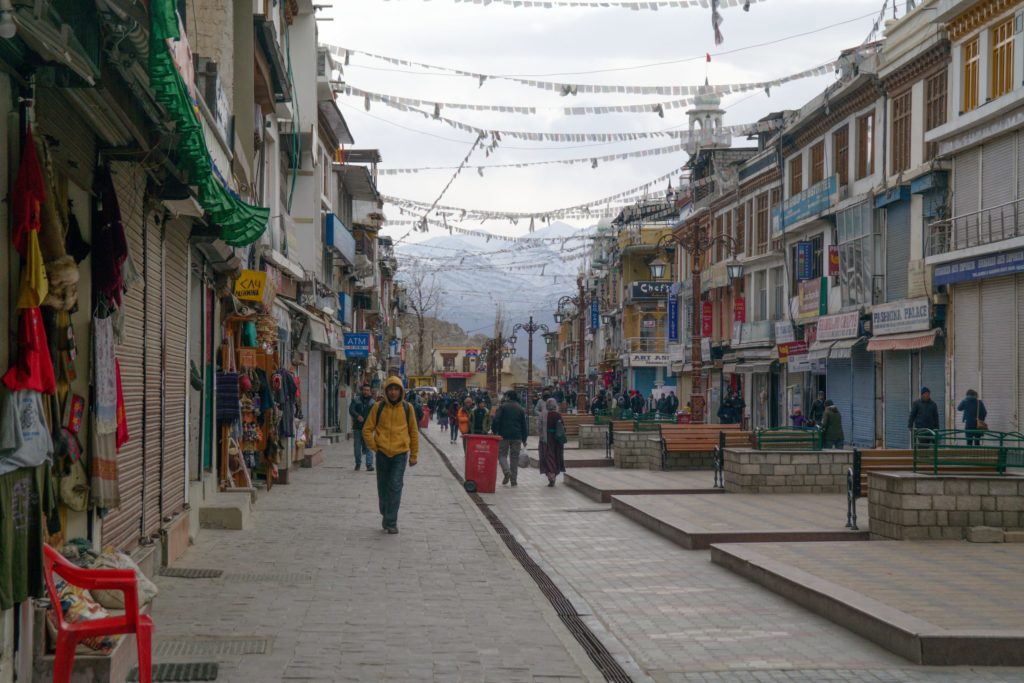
x=501, y=39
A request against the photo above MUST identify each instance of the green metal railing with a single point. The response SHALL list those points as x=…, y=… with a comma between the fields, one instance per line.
x=974, y=448
x=801, y=438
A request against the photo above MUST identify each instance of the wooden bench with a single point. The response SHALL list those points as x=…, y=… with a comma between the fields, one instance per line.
x=573, y=422
x=902, y=460
x=700, y=439
x=623, y=425
x=787, y=439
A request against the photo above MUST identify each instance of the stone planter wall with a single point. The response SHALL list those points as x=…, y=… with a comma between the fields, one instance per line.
x=686, y=461
x=752, y=471
x=909, y=506
x=635, y=450
x=594, y=436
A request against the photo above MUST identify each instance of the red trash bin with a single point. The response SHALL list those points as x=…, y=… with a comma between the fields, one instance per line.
x=482, y=461
x=425, y=420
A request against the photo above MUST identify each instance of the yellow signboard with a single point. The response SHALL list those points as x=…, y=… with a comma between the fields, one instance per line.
x=252, y=285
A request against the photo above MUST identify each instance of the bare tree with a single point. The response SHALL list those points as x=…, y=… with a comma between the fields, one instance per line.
x=425, y=302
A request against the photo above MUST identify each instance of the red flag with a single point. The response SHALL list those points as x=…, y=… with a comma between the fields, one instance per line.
x=708, y=55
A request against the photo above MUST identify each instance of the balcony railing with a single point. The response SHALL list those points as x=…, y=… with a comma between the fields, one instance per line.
x=646, y=345
x=994, y=224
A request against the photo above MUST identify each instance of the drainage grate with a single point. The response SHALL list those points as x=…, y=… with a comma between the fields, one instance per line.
x=290, y=579
x=592, y=645
x=190, y=573
x=587, y=510
x=211, y=645
x=187, y=671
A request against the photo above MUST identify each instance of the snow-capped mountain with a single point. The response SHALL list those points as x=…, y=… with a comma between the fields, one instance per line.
x=475, y=274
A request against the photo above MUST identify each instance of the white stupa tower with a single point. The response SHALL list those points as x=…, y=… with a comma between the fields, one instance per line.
x=706, y=128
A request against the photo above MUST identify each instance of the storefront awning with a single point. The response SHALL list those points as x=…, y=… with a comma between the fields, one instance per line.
x=317, y=328
x=840, y=349
x=753, y=368
x=909, y=341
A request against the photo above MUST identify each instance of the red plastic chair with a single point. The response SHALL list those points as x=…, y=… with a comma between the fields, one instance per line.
x=69, y=635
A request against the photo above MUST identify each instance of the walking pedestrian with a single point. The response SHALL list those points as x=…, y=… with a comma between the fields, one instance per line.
x=832, y=427
x=817, y=413
x=673, y=403
x=453, y=420
x=798, y=418
x=465, y=416
x=480, y=420
x=358, y=411
x=392, y=433
x=552, y=453
x=975, y=413
x=510, y=424
x=442, y=413
x=924, y=415
x=636, y=403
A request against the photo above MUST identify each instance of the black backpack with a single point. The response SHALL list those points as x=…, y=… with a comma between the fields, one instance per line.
x=405, y=404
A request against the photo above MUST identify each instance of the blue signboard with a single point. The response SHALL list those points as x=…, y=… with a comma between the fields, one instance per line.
x=594, y=314
x=673, y=319
x=357, y=344
x=810, y=202
x=804, y=261
x=993, y=265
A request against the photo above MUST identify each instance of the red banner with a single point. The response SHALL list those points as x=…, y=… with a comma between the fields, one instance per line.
x=793, y=348
x=833, y=260
x=741, y=309
x=706, y=320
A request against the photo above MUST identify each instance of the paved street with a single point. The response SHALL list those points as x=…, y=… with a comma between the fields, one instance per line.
x=341, y=601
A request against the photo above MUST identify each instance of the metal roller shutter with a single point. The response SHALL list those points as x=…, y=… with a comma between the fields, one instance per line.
x=966, y=321
x=998, y=171
x=862, y=396
x=897, y=250
x=933, y=376
x=966, y=192
x=998, y=357
x=898, y=397
x=1018, y=351
x=74, y=153
x=1020, y=167
x=153, y=456
x=839, y=388
x=122, y=527
x=175, y=367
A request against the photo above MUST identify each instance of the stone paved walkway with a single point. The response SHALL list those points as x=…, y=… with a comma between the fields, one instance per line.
x=674, y=616
x=339, y=600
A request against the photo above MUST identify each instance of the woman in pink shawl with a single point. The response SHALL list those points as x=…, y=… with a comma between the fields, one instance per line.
x=552, y=456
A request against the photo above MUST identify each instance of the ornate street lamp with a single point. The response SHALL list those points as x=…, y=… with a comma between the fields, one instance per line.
x=657, y=267
x=530, y=328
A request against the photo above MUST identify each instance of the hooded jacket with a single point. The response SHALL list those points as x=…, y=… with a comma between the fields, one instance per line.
x=395, y=431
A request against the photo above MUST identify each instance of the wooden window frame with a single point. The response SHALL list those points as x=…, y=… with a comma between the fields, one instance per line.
x=762, y=224
x=841, y=154
x=796, y=175
x=936, y=94
x=970, y=75
x=902, y=127
x=865, y=145
x=740, y=223
x=817, y=162
x=1001, y=39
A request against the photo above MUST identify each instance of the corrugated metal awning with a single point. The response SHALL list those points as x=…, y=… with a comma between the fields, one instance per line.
x=909, y=341
x=840, y=349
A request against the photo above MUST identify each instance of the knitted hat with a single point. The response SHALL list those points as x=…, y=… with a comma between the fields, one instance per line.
x=925, y=390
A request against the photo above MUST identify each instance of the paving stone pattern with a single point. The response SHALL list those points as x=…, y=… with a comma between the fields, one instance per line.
x=674, y=616
x=339, y=600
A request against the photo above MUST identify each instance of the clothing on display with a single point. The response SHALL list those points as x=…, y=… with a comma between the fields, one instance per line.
x=24, y=437
x=110, y=245
x=27, y=196
x=105, y=376
x=26, y=498
x=33, y=368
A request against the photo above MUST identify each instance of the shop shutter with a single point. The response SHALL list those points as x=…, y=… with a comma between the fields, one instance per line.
x=933, y=376
x=998, y=172
x=998, y=360
x=897, y=250
x=1020, y=167
x=153, y=456
x=862, y=396
x=122, y=527
x=966, y=322
x=175, y=392
x=966, y=196
x=314, y=390
x=72, y=143
x=839, y=388
x=898, y=397
x=1019, y=422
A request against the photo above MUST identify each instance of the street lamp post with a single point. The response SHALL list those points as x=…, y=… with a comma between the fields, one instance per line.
x=495, y=351
x=530, y=328
x=696, y=242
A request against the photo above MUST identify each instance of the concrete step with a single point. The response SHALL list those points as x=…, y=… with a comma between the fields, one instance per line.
x=230, y=509
x=314, y=457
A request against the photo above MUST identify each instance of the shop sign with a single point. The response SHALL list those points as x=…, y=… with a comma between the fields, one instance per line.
x=980, y=268
x=357, y=344
x=810, y=300
x=740, y=310
x=790, y=349
x=648, y=324
x=784, y=332
x=810, y=202
x=252, y=285
x=647, y=360
x=649, y=289
x=594, y=314
x=799, y=363
x=833, y=260
x=804, y=261
x=706, y=319
x=705, y=349
x=673, y=319
x=902, y=316
x=841, y=326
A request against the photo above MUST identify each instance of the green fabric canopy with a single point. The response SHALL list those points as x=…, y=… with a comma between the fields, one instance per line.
x=240, y=223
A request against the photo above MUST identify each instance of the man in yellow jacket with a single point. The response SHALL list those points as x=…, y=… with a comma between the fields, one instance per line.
x=391, y=432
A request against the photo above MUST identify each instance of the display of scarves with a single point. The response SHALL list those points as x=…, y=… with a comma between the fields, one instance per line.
x=33, y=367
x=122, y=415
x=105, y=371
x=103, y=470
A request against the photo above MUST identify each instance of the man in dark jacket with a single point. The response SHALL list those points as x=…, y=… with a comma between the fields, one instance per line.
x=974, y=410
x=817, y=412
x=636, y=404
x=924, y=414
x=359, y=410
x=510, y=424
